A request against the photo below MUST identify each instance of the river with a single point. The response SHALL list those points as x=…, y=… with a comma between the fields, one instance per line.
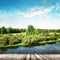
x=45, y=49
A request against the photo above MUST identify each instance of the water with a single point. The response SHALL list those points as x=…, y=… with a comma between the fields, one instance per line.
x=46, y=49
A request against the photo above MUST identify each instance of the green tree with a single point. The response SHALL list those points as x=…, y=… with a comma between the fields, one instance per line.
x=30, y=29
x=0, y=30
x=3, y=30
x=9, y=30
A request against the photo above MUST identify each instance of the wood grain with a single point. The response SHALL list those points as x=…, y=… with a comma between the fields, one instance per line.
x=29, y=56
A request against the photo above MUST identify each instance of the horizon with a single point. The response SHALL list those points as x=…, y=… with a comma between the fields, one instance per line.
x=43, y=14
x=27, y=27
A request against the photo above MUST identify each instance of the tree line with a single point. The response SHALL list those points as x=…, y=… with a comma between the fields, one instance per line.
x=4, y=30
x=30, y=29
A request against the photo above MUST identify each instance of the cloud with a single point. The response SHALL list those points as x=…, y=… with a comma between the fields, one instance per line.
x=38, y=12
x=32, y=12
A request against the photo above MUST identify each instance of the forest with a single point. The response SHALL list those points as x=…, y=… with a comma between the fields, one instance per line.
x=12, y=37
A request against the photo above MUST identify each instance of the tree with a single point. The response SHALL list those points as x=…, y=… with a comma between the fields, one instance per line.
x=8, y=30
x=3, y=30
x=0, y=30
x=22, y=30
x=30, y=29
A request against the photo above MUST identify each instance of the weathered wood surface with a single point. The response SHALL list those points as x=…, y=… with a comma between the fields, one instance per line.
x=29, y=56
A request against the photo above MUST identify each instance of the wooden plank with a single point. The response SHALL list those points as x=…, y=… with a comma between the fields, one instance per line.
x=28, y=57
x=33, y=57
x=53, y=57
x=14, y=57
x=22, y=57
x=8, y=56
x=44, y=57
x=38, y=57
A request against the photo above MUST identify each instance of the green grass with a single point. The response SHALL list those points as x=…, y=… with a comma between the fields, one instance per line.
x=58, y=40
x=42, y=43
x=15, y=45
x=21, y=39
x=51, y=41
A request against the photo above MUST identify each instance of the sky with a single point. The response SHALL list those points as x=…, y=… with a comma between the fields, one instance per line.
x=44, y=14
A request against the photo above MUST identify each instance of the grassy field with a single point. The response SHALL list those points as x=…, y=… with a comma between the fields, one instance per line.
x=23, y=39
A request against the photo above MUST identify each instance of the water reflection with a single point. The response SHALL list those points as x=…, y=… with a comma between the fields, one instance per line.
x=48, y=48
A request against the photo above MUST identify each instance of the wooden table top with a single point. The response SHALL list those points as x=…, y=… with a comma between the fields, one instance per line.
x=29, y=56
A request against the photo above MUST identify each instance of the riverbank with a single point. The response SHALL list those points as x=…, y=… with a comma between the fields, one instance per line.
x=11, y=46
x=25, y=45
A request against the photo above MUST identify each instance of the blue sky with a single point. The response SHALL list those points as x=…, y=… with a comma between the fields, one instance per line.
x=43, y=14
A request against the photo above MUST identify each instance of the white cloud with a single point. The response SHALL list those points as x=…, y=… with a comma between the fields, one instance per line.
x=38, y=12
x=32, y=12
